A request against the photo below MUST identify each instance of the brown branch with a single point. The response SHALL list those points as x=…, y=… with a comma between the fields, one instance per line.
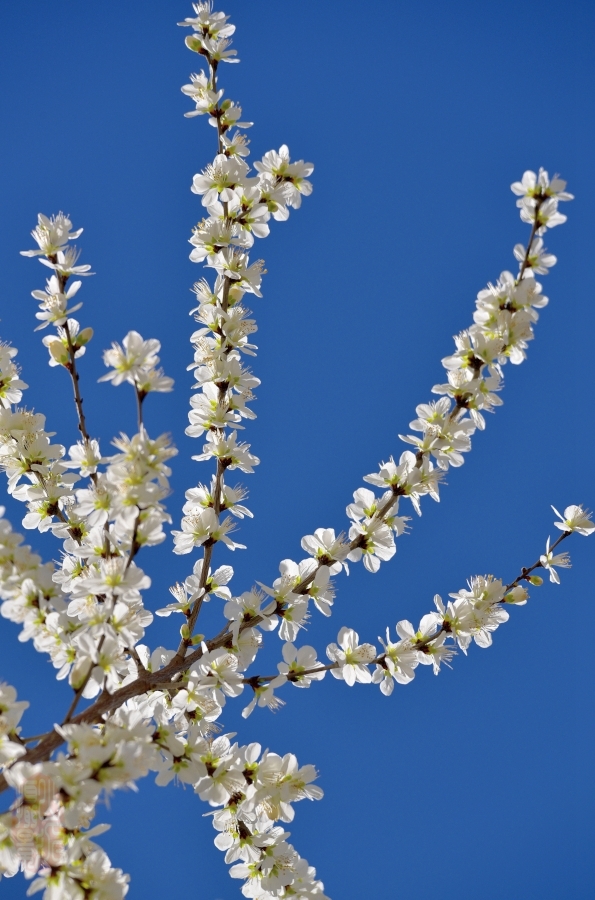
x=140, y=396
x=525, y=263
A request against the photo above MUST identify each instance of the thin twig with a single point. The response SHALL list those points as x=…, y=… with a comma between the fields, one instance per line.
x=420, y=644
x=525, y=263
x=140, y=396
x=79, y=692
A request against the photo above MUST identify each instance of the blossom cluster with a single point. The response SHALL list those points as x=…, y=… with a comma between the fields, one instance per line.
x=171, y=731
x=503, y=324
x=52, y=236
x=47, y=831
x=239, y=207
x=87, y=612
x=473, y=614
x=135, y=361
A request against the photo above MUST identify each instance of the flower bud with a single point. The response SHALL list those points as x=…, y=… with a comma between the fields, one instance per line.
x=83, y=337
x=79, y=672
x=537, y=580
x=518, y=595
x=58, y=351
x=185, y=631
x=193, y=43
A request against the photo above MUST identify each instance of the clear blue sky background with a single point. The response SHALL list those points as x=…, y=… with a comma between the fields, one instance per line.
x=418, y=116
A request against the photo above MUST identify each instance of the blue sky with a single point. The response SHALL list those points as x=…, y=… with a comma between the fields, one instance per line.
x=418, y=116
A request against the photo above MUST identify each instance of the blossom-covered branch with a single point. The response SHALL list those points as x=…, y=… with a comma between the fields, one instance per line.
x=474, y=616
x=160, y=709
x=503, y=325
